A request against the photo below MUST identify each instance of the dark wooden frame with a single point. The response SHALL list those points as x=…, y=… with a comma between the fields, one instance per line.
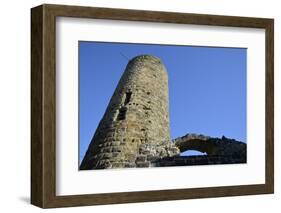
x=43, y=105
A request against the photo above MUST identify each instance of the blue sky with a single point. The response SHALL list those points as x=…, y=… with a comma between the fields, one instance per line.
x=207, y=87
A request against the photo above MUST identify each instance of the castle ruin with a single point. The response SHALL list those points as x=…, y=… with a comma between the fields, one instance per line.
x=134, y=131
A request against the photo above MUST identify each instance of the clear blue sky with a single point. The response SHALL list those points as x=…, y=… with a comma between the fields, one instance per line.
x=207, y=87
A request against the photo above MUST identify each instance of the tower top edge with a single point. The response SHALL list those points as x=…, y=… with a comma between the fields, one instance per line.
x=146, y=57
x=151, y=59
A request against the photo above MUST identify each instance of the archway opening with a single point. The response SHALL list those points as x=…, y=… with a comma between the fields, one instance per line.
x=192, y=153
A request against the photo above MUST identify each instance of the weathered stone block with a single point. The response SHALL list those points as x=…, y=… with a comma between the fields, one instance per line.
x=141, y=158
x=143, y=164
x=152, y=158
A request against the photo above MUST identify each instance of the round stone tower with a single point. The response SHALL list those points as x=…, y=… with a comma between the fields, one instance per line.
x=137, y=114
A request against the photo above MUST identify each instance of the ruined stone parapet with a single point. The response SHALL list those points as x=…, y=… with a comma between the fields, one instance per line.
x=212, y=146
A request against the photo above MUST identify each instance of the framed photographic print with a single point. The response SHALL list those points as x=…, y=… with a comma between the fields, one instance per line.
x=136, y=106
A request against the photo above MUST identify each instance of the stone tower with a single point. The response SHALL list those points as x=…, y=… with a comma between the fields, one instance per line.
x=137, y=114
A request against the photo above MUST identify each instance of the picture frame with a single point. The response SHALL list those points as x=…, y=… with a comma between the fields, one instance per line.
x=44, y=114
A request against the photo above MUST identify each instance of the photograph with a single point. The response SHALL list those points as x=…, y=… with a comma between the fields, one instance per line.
x=160, y=105
x=133, y=105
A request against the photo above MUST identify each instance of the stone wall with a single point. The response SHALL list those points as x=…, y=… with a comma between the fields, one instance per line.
x=217, y=151
x=198, y=160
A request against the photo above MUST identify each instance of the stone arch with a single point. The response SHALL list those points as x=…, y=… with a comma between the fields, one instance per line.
x=198, y=145
x=212, y=146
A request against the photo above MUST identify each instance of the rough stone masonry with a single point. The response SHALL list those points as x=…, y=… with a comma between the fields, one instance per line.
x=134, y=131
